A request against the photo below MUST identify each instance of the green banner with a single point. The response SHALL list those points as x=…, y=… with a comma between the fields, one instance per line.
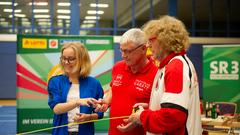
x=38, y=60
x=221, y=73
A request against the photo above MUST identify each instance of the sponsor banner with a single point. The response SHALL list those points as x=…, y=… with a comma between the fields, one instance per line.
x=40, y=44
x=221, y=73
x=38, y=60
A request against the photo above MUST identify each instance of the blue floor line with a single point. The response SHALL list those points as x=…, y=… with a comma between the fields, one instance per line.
x=8, y=122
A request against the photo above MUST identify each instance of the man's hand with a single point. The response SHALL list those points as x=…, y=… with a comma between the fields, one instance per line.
x=101, y=106
x=135, y=117
x=124, y=128
x=132, y=121
x=144, y=105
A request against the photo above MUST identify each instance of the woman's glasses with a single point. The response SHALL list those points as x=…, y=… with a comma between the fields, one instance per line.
x=67, y=59
x=151, y=40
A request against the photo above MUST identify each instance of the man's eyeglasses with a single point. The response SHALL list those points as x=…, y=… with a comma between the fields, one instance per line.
x=130, y=51
x=67, y=59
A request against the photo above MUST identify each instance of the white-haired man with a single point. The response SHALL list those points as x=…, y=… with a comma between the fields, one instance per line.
x=131, y=83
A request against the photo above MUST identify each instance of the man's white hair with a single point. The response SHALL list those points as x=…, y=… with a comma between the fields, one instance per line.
x=134, y=35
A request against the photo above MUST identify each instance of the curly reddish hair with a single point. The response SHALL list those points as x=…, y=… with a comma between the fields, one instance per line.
x=170, y=32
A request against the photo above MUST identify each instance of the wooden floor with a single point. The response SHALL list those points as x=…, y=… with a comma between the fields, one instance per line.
x=7, y=102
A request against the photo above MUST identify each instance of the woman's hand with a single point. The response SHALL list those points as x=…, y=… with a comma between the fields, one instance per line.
x=81, y=117
x=86, y=102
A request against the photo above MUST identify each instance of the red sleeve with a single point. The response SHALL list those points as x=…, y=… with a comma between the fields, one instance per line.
x=163, y=120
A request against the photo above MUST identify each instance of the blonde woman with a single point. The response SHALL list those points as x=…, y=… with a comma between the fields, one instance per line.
x=72, y=94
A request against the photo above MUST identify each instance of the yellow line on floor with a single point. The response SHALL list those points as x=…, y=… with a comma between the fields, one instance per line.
x=8, y=102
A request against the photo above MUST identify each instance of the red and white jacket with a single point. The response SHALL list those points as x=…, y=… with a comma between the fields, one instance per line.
x=174, y=104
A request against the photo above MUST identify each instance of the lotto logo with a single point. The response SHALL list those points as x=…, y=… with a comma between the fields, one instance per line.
x=53, y=43
x=34, y=43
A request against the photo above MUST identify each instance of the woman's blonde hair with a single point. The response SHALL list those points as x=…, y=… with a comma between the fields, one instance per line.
x=82, y=56
x=170, y=32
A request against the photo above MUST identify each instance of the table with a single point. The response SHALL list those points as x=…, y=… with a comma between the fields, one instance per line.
x=221, y=124
x=220, y=121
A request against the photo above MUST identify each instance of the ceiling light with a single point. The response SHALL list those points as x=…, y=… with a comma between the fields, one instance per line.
x=26, y=30
x=67, y=21
x=38, y=3
x=5, y=3
x=99, y=5
x=87, y=25
x=62, y=11
x=60, y=24
x=10, y=10
x=66, y=4
x=44, y=23
x=26, y=23
x=63, y=17
x=89, y=21
x=43, y=20
x=18, y=15
x=63, y=4
x=2, y=19
x=91, y=17
x=41, y=16
x=61, y=21
x=24, y=19
x=95, y=12
x=40, y=10
x=8, y=3
x=4, y=23
x=60, y=31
